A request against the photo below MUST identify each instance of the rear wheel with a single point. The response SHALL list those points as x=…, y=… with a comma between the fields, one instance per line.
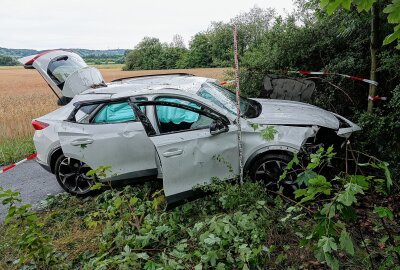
x=71, y=175
x=268, y=169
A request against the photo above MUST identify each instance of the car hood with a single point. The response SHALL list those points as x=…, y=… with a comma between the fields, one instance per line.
x=283, y=112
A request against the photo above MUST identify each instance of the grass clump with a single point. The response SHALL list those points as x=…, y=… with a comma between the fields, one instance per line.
x=12, y=150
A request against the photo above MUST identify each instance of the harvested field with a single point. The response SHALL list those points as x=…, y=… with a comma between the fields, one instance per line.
x=24, y=95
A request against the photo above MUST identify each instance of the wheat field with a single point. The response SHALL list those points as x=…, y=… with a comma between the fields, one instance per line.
x=24, y=95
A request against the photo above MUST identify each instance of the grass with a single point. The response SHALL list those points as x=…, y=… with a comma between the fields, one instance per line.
x=12, y=150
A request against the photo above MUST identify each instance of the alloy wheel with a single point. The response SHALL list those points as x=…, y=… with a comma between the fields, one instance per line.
x=269, y=172
x=72, y=176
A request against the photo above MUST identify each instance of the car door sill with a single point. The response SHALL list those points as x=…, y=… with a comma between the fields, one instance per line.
x=131, y=175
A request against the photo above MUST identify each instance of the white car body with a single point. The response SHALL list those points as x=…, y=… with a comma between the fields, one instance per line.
x=138, y=149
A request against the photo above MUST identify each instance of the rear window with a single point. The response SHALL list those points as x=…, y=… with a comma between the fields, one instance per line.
x=115, y=113
x=60, y=68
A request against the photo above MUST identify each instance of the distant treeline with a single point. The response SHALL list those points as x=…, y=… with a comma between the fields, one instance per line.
x=8, y=57
x=8, y=61
x=210, y=48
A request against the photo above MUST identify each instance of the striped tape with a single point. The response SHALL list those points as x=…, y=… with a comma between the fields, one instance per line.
x=227, y=82
x=376, y=98
x=17, y=163
x=303, y=72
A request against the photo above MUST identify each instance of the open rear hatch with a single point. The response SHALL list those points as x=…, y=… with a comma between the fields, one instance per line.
x=66, y=73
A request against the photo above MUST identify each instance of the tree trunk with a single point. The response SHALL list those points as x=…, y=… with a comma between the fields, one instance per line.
x=374, y=46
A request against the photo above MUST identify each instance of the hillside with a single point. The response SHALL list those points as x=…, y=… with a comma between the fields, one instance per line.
x=16, y=53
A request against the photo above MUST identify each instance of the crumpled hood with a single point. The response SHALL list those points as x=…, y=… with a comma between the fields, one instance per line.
x=283, y=112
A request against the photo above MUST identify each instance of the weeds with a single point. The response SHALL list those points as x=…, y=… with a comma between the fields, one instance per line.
x=12, y=150
x=235, y=227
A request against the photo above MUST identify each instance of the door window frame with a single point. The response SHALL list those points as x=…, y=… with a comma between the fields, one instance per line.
x=206, y=111
x=142, y=117
x=102, y=103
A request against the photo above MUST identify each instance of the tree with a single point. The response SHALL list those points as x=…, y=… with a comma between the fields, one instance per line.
x=146, y=55
x=7, y=61
x=221, y=40
x=393, y=11
x=199, y=53
x=252, y=26
x=178, y=42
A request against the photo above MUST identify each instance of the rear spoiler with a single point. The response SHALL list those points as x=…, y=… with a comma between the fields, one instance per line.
x=27, y=61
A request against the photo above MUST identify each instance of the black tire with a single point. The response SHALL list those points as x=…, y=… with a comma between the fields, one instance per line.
x=269, y=167
x=71, y=175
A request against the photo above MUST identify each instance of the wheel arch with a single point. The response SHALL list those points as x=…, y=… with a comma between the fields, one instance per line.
x=267, y=150
x=54, y=155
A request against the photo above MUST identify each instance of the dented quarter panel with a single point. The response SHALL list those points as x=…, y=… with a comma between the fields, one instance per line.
x=287, y=138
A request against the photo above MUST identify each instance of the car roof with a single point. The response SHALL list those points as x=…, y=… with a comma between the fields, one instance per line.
x=183, y=83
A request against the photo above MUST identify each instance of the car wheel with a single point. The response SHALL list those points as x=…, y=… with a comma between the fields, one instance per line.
x=268, y=169
x=71, y=175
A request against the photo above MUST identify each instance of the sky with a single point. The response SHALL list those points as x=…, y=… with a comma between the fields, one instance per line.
x=90, y=24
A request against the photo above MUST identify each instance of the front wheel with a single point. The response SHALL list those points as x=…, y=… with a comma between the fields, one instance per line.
x=268, y=169
x=71, y=175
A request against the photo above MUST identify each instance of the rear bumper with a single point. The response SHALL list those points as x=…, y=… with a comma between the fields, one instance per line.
x=44, y=165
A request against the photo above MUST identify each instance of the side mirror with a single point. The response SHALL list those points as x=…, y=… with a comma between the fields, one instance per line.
x=217, y=127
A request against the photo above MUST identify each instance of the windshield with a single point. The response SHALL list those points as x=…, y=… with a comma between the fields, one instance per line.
x=226, y=99
x=62, y=67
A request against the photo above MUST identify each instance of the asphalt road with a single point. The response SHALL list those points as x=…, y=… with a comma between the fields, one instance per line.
x=32, y=181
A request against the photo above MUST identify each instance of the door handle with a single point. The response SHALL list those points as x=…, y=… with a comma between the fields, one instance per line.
x=79, y=142
x=173, y=153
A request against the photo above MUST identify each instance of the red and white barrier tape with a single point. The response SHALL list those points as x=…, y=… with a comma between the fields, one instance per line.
x=303, y=72
x=376, y=98
x=227, y=82
x=16, y=164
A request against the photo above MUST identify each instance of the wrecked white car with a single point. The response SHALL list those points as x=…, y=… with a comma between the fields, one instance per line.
x=178, y=127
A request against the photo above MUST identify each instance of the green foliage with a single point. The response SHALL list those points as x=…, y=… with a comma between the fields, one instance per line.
x=8, y=61
x=150, y=53
x=33, y=245
x=334, y=214
x=392, y=9
x=266, y=132
x=234, y=227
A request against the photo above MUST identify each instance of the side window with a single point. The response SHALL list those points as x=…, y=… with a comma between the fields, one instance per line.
x=174, y=119
x=115, y=113
x=84, y=113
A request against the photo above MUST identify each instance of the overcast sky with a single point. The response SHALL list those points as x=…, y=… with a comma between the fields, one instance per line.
x=47, y=24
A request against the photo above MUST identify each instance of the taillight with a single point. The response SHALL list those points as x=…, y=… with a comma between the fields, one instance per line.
x=37, y=125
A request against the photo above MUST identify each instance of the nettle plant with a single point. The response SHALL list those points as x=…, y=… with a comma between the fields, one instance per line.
x=34, y=246
x=332, y=205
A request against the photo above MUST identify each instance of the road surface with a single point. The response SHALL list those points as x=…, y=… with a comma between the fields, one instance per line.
x=32, y=181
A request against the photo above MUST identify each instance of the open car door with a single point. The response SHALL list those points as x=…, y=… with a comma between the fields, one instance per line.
x=194, y=146
x=65, y=72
